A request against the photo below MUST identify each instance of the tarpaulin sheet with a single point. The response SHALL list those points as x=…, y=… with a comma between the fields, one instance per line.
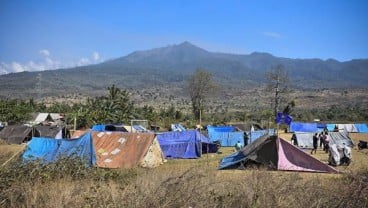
x=340, y=138
x=186, y=144
x=303, y=127
x=125, y=150
x=254, y=135
x=50, y=150
x=98, y=127
x=362, y=128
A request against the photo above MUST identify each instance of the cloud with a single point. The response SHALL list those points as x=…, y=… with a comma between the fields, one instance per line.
x=44, y=52
x=83, y=61
x=272, y=35
x=95, y=56
x=47, y=63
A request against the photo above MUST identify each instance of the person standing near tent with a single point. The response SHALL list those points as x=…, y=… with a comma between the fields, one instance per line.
x=327, y=142
x=238, y=146
x=321, y=140
x=294, y=141
x=315, y=144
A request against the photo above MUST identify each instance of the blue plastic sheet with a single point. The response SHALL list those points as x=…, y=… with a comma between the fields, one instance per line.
x=362, y=128
x=51, y=150
x=303, y=127
x=186, y=144
x=227, y=135
x=98, y=127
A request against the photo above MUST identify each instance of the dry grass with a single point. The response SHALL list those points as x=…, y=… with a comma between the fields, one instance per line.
x=183, y=183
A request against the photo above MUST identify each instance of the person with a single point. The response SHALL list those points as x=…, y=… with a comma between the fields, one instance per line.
x=327, y=142
x=294, y=141
x=238, y=146
x=315, y=144
x=321, y=141
x=246, y=138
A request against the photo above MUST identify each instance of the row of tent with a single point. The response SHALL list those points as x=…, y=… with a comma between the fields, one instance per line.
x=228, y=136
x=317, y=127
x=17, y=134
x=305, y=139
x=110, y=149
x=127, y=150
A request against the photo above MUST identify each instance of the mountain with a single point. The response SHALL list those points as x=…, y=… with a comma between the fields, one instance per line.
x=171, y=65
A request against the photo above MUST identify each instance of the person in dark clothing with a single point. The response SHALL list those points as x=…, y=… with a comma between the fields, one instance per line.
x=321, y=141
x=294, y=141
x=246, y=138
x=315, y=144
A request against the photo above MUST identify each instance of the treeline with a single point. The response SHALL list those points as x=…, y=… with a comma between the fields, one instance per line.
x=117, y=107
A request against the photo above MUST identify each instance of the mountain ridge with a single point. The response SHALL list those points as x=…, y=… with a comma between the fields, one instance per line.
x=171, y=65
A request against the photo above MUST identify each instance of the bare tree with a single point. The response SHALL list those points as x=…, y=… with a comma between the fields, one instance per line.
x=278, y=81
x=200, y=85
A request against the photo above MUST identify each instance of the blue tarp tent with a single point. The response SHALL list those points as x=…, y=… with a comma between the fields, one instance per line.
x=98, y=127
x=51, y=150
x=303, y=127
x=227, y=135
x=254, y=135
x=362, y=128
x=186, y=144
x=330, y=127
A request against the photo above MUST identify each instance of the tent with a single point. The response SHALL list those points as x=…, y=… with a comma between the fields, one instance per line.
x=303, y=127
x=330, y=127
x=254, y=135
x=126, y=150
x=347, y=127
x=53, y=132
x=17, y=134
x=226, y=135
x=186, y=144
x=104, y=149
x=51, y=150
x=277, y=154
x=304, y=139
x=340, y=138
x=362, y=128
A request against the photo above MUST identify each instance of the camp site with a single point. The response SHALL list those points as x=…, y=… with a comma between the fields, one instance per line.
x=184, y=104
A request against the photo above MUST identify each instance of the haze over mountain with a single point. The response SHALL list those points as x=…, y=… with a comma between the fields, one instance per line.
x=171, y=65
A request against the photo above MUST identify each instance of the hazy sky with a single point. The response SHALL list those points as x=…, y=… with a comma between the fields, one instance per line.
x=39, y=35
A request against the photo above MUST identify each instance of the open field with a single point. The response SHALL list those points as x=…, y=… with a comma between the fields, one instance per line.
x=183, y=183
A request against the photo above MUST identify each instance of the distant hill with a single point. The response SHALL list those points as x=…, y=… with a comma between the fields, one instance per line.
x=171, y=65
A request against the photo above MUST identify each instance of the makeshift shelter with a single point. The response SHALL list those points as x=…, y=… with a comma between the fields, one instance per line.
x=276, y=154
x=127, y=150
x=109, y=127
x=17, y=134
x=303, y=127
x=340, y=139
x=49, y=150
x=225, y=135
x=304, y=139
x=186, y=144
x=362, y=128
x=347, y=127
x=254, y=135
x=57, y=132
x=331, y=127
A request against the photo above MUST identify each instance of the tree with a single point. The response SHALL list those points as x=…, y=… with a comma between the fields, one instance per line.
x=200, y=85
x=278, y=81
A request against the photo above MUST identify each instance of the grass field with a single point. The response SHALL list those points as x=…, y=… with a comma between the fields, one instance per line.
x=182, y=183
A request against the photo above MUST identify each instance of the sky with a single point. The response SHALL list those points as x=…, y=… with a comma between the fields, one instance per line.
x=42, y=34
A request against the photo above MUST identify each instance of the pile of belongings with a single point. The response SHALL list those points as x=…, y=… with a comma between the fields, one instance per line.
x=339, y=154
